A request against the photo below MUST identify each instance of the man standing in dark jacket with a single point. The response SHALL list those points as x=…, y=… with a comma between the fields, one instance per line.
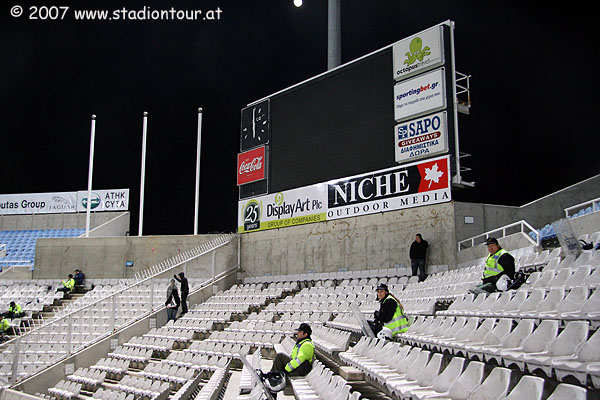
x=418, y=254
x=185, y=290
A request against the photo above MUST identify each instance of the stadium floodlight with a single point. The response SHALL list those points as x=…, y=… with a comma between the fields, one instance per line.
x=143, y=173
x=90, y=173
x=197, y=200
x=298, y=3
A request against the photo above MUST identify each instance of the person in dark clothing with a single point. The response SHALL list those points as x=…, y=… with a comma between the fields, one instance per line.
x=185, y=290
x=499, y=262
x=418, y=255
x=79, y=278
x=172, y=302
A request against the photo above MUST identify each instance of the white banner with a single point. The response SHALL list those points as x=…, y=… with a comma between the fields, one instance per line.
x=63, y=202
x=292, y=207
x=104, y=200
x=420, y=95
x=421, y=138
x=411, y=185
x=38, y=203
x=418, y=53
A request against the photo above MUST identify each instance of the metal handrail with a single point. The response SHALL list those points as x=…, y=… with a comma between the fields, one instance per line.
x=522, y=224
x=142, y=277
x=595, y=206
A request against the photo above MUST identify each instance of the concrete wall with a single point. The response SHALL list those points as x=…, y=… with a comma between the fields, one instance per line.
x=56, y=221
x=537, y=213
x=367, y=242
x=105, y=257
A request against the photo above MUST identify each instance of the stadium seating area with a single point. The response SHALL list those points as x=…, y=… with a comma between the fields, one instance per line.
x=20, y=244
x=539, y=341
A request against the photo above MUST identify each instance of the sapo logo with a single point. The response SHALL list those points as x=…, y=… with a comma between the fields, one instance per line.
x=95, y=201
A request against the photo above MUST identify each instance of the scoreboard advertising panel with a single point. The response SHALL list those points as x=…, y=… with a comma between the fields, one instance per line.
x=410, y=185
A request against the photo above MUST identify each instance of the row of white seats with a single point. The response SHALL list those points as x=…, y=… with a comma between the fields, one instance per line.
x=142, y=387
x=221, y=349
x=566, y=277
x=198, y=361
x=158, y=344
x=177, y=375
x=177, y=335
x=90, y=378
x=65, y=389
x=330, y=340
x=321, y=383
x=573, y=351
x=578, y=303
x=413, y=373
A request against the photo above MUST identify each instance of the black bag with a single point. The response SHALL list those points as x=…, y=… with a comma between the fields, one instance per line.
x=585, y=245
x=520, y=278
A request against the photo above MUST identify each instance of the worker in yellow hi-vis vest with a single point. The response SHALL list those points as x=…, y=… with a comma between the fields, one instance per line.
x=499, y=265
x=389, y=319
x=299, y=363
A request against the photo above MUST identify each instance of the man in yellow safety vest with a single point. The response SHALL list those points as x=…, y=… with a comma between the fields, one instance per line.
x=299, y=363
x=390, y=316
x=499, y=262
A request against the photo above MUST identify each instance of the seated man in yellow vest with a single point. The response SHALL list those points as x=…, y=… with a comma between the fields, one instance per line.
x=389, y=319
x=67, y=286
x=302, y=357
x=4, y=326
x=14, y=311
x=499, y=262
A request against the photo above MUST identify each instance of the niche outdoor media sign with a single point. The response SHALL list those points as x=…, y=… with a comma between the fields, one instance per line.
x=412, y=185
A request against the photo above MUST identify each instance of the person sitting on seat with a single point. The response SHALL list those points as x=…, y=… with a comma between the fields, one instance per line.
x=14, y=311
x=79, y=277
x=68, y=285
x=499, y=263
x=4, y=326
x=302, y=357
x=389, y=319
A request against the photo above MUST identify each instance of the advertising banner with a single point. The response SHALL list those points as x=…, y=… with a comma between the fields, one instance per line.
x=291, y=207
x=251, y=166
x=38, y=203
x=104, y=200
x=421, y=138
x=418, y=53
x=412, y=185
x=420, y=95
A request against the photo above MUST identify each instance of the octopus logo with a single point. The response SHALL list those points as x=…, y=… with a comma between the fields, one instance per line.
x=417, y=52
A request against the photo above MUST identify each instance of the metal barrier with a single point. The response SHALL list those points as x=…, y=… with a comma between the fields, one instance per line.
x=74, y=337
x=521, y=226
x=594, y=203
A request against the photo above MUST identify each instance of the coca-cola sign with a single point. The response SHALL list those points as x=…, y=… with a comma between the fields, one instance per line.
x=251, y=166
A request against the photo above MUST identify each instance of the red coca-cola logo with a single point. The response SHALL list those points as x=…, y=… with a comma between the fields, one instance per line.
x=251, y=166
x=248, y=167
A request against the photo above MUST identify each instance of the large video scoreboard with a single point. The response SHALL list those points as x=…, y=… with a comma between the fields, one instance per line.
x=391, y=107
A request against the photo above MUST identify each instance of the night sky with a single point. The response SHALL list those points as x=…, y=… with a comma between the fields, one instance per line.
x=531, y=130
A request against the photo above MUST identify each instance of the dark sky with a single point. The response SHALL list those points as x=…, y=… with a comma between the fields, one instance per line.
x=534, y=92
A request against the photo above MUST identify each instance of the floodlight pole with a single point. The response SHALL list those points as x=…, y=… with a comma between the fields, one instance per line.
x=90, y=173
x=197, y=202
x=143, y=173
x=334, y=34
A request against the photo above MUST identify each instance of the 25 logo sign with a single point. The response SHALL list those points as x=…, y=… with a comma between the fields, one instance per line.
x=252, y=213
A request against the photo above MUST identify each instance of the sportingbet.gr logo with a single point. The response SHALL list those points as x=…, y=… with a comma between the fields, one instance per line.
x=95, y=201
x=416, y=51
x=251, y=215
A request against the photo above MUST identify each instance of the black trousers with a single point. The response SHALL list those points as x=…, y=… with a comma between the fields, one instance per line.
x=281, y=361
x=184, y=307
